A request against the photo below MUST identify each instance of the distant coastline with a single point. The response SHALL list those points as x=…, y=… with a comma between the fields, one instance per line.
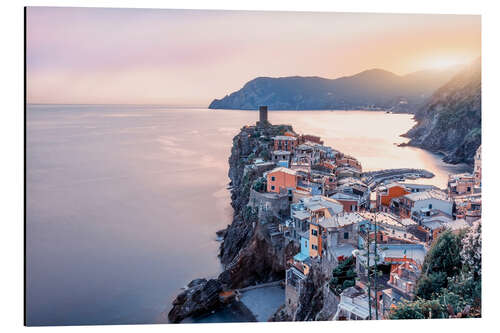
x=373, y=89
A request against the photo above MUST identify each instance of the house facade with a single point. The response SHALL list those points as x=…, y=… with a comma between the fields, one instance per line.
x=281, y=178
x=386, y=193
x=285, y=142
x=433, y=199
x=461, y=184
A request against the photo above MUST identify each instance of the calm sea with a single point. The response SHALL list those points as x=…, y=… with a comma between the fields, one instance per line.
x=123, y=201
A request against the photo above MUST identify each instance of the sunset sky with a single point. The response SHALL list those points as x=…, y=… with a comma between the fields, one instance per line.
x=186, y=57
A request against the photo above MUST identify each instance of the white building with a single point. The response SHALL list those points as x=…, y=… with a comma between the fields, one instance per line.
x=419, y=201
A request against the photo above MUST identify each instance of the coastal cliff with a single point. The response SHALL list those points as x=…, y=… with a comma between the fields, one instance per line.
x=247, y=252
x=450, y=122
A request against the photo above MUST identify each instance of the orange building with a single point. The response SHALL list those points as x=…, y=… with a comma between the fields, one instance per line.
x=311, y=138
x=285, y=142
x=329, y=165
x=386, y=193
x=281, y=178
x=349, y=161
x=403, y=277
x=315, y=241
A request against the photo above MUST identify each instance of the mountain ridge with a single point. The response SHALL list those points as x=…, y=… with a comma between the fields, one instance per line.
x=374, y=88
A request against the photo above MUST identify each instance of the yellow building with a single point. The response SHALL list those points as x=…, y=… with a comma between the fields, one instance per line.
x=320, y=207
x=315, y=244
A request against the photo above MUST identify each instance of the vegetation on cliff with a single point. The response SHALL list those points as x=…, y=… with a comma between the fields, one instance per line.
x=450, y=122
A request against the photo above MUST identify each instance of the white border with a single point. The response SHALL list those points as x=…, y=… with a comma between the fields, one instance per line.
x=11, y=300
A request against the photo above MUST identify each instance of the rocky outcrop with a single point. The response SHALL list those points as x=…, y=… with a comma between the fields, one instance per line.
x=316, y=301
x=370, y=89
x=311, y=296
x=247, y=252
x=281, y=315
x=330, y=304
x=200, y=297
x=251, y=142
x=450, y=123
x=259, y=262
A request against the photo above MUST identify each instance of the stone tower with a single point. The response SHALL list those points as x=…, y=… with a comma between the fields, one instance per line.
x=262, y=116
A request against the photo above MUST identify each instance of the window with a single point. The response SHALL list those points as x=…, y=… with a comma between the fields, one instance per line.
x=273, y=178
x=346, y=235
x=314, y=232
x=272, y=187
x=430, y=206
x=314, y=247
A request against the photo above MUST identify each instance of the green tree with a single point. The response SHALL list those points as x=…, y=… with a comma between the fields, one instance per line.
x=450, y=285
x=260, y=184
x=419, y=309
x=343, y=276
x=441, y=262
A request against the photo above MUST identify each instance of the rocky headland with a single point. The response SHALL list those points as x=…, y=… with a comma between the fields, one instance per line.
x=247, y=252
x=450, y=122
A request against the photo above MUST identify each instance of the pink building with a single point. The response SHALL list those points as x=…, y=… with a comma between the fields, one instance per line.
x=281, y=178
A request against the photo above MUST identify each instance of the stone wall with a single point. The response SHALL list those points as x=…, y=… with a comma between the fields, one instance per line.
x=269, y=204
x=291, y=300
x=330, y=304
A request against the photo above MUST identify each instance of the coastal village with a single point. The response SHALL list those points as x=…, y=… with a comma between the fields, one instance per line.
x=356, y=240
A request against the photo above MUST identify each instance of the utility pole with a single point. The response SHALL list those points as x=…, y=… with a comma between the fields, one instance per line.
x=368, y=273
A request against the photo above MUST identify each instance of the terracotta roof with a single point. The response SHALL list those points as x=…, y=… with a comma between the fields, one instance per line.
x=283, y=169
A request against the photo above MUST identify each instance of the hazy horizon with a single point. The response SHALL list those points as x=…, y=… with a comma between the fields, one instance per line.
x=189, y=57
x=187, y=105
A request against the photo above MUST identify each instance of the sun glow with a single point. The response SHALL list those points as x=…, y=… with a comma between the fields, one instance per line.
x=444, y=61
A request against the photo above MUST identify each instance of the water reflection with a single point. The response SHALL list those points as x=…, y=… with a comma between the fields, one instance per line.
x=123, y=202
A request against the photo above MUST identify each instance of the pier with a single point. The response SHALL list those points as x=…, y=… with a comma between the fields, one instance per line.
x=374, y=178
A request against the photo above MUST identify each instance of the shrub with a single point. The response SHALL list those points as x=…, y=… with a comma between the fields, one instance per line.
x=260, y=185
x=343, y=276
